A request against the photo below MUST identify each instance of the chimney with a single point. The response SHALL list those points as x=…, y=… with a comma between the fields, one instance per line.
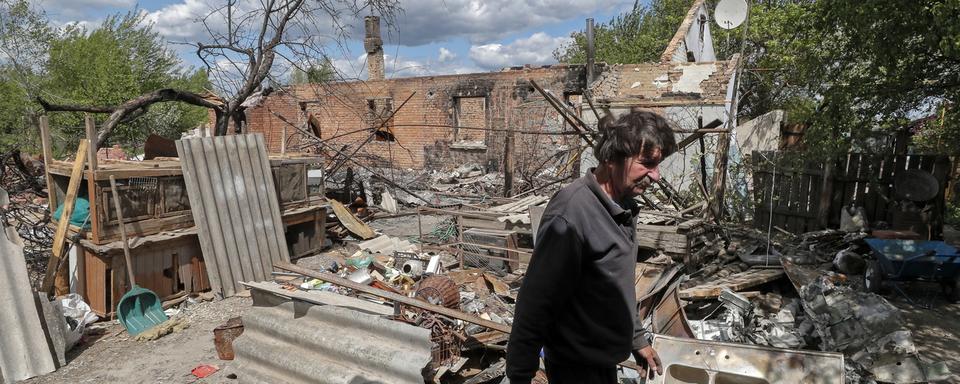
x=591, y=52
x=374, y=47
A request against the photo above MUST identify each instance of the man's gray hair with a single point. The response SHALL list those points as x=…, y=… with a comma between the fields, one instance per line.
x=637, y=132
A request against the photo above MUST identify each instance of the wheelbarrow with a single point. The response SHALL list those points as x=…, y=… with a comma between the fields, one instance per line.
x=910, y=260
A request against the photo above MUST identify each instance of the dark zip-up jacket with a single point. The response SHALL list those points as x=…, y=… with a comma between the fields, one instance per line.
x=578, y=298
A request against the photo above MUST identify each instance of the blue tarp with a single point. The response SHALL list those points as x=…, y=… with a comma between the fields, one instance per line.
x=81, y=210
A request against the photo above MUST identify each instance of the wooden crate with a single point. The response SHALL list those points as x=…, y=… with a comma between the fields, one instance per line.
x=154, y=198
x=165, y=267
x=676, y=241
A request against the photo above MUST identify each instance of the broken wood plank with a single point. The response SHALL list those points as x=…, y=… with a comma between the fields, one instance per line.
x=46, y=143
x=337, y=280
x=736, y=282
x=59, y=238
x=349, y=220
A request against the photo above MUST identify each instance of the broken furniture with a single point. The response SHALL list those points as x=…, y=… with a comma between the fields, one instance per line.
x=693, y=361
x=490, y=249
x=677, y=241
x=736, y=282
x=495, y=249
x=166, y=253
x=167, y=263
x=904, y=260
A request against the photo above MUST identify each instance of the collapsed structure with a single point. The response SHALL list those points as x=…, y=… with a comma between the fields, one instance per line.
x=482, y=152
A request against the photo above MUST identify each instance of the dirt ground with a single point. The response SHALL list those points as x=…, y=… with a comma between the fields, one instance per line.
x=935, y=323
x=108, y=354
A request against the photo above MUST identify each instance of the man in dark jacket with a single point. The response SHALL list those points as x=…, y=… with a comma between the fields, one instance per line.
x=578, y=300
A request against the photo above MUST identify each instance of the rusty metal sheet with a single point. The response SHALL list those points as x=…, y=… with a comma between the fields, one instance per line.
x=351, y=221
x=287, y=340
x=650, y=281
x=713, y=362
x=25, y=352
x=235, y=207
x=668, y=316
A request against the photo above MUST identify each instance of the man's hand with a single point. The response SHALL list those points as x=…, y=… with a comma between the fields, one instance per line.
x=648, y=358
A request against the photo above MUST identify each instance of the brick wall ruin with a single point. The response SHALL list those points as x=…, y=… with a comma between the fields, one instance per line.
x=448, y=121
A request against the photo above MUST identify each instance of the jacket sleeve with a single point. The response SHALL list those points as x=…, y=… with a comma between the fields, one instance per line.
x=639, y=335
x=548, y=283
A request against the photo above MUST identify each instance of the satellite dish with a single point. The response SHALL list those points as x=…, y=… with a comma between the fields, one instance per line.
x=729, y=14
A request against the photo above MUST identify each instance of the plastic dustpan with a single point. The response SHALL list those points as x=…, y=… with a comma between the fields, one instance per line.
x=140, y=309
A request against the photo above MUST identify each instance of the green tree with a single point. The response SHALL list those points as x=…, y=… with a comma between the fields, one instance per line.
x=851, y=71
x=313, y=73
x=637, y=36
x=119, y=60
x=24, y=40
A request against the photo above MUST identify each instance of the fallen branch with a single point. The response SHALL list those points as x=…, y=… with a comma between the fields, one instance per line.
x=145, y=100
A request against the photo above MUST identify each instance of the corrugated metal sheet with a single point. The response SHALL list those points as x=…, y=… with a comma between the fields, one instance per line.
x=235, y=208
x=521, y=205
x=519, y=218
x=387, y=245
x=24, y=352
x=293, y=341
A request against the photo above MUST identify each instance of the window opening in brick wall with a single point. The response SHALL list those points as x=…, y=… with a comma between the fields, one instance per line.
x=469, y=112
x=314, y=124
x=377, y=112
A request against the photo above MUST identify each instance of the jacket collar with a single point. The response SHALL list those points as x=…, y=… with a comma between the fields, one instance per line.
x=624, y=210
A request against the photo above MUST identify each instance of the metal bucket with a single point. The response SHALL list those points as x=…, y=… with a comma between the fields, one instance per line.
x=224, y=335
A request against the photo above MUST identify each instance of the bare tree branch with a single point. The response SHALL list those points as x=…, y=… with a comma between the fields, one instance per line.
x=144, y=101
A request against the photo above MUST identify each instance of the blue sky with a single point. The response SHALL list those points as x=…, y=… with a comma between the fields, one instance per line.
x=431, y=37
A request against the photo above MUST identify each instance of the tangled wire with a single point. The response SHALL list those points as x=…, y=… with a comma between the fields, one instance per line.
x=23, y=209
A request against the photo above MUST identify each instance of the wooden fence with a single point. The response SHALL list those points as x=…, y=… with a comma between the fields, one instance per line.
x=810, y=197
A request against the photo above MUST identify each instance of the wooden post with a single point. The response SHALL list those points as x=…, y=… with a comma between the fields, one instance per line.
x=92, y=149
x=47, y=144
x=92, y=138
x=63, y=222
x=826, y=193
x=508, y=163
x=420, y=229
x=283, y=140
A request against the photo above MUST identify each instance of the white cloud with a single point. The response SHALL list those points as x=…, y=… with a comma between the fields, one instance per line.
x=180, y=22
x=536, y=49
x=483, y=21
x=72, y=10
x=400, y=66
x=446, y=55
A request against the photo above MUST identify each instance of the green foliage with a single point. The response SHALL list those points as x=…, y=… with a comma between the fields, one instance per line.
x=122, y=58
x=119, y=60
x=851, y=71
x=313, y=73
x=24, y=38
x=640, y=35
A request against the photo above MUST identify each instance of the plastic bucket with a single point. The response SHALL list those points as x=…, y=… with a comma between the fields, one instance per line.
x=224, y=335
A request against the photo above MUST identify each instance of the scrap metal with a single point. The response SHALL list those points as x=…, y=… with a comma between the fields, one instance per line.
x=711, y=362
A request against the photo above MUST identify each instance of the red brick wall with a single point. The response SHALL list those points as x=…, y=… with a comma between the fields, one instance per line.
x=341, y=108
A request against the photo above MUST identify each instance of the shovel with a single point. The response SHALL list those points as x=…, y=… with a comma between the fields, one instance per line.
x=140, y=309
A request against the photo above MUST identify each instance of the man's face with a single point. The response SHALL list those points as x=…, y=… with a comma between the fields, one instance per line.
x=638, y=172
